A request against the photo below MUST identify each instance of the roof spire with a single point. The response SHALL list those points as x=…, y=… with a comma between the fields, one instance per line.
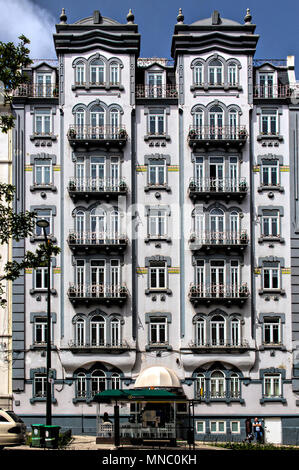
x=130, y=17
x=180, y=17
x=63, y=17
x=248, y=17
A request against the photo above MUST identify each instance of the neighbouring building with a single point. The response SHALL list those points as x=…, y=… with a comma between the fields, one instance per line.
x=167, y=186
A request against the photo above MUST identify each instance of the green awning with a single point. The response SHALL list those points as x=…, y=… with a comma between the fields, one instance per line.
x=133, y=395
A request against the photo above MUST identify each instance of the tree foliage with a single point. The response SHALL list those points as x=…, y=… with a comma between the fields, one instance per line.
x=12, y=60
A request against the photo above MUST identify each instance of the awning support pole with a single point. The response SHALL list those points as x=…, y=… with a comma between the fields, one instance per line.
x=116, y=425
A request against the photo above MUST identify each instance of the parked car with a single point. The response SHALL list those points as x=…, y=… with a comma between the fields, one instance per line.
x=12, y=429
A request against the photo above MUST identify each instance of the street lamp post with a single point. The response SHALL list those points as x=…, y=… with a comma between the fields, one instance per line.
x=44, y=224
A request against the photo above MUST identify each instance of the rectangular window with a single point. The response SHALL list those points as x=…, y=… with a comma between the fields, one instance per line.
x=42, y=122
x=270, y=173
x=41, y=278
x=43, y=214
x=40, y=330
x=270, y=224
x=269, y=122
x=272, y=385
x=42, y=172
x=217, y=427
x=40, y=385
x=158, y=275
x=156, y=122
x=44, y=85
x=235, y=427
x=271, y=277
x=272, y=331
x=158, y=330
x=157, y=223
x=157, y=172
x=200, y=427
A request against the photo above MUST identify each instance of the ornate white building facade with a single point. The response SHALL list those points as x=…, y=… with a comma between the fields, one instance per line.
x=166, y=186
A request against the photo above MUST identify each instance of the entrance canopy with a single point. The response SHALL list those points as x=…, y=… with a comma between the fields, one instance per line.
x=157, y=376
x=137, y=395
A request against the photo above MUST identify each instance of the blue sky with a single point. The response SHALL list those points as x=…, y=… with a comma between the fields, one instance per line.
x=277, y=21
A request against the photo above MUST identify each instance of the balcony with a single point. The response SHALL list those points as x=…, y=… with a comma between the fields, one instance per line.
x=209, y=136
x=97, y=136
x=220, y=188
x=30, y=90
x=156, y=92
x=219, y=241
x=227, y=396
x=98, y=293
x=96, y=188
x=272, y=92
x=100, y=346
x=219, y=346
x=93, y=241
x=218, y=293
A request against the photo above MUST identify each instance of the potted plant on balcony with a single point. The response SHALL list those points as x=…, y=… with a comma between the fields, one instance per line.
x=55, y=92
x=192, y=134
x=192, y=237
x=123, y=291
x=242, y=134
x=72, y=238
x=122, y=186
x=122, y=134
x=244, y=238
x=72, y=133
x=242, y=186
x=192, y=185
x=72, y=186
x=243, y=290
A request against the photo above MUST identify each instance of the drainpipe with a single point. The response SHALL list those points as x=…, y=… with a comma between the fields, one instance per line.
x=133, y=219
x=252, y=223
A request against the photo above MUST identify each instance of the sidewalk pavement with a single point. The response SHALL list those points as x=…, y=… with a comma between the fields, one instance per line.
x=89, y=443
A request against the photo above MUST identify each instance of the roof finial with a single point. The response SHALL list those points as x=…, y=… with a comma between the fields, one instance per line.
x=63, y=17
x=248, y=17
x=130, y=17
x=180, y=17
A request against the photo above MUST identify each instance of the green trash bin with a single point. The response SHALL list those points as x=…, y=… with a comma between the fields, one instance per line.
x=51, y=436
x=38, y=435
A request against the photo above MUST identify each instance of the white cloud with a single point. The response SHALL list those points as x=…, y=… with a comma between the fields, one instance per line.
x=37, y=24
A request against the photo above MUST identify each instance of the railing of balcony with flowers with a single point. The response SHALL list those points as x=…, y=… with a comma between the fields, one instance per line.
x=221, y=185
x=272, y=91
x=97, y=238
x=85, y=185
x=88, y=132
x=30, y=90
x=97, y=290
x=225, y=394
x=219, y=290
x=217, y=133
x=156, y=91
x=219, y=343
x=220, y=238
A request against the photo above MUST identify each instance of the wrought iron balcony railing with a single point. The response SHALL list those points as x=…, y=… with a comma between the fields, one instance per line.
x=101, y=344
x=218, y=291
x=220, y=238
x=228, y=395
x=97, y=291
x=220, y=343
x=216, y=133
x=218, y=185
x=272, y=91
x=88, y=132
x=156, y=91
x=98, y=185
x=29, y=90
x=97, y=238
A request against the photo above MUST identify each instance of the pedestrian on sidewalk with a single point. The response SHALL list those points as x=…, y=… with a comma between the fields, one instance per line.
x=257, y=429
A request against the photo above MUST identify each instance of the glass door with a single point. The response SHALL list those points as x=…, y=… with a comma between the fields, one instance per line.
x=216, y=122
x=98, y=173
x=216, y=165
x=217, y=235
x=155, y=85
x=98, y=278
x=217, y=278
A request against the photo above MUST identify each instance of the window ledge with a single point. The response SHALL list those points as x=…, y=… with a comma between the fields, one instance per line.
x=42, y=399
x=280, y=347
x=158, y=346
x=272, y=399
x=43, y=187
x=269, y=137
x=272, y=291
x=157, y=239
x=104, y=86
x=157, y=187
x=42, y=291
x=223, y=400
x=270, y=188
x=42, y=346
x=225, y=86
x=271, y=239
x=156, y=136
x=158, y=291
x=43, y=136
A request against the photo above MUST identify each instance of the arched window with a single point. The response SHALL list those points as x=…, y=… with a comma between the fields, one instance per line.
x=114, y=73
x=80, y=123
x=81, y=385
x=218, y=333
x=200, y=387
x=98, y=224
x=98, y=382
x=97, y=122
x=80, y=73
x=80, y=223
x=198, y=73
x=217, y=226
x=216, y=122
x=98, y=331
x=233, y=123
x=200, y=332
x=232, y=74
x=215, y=71
x=234, y=227
x=234, y=386
x=235, y=332
x=80, y=332
x=97, y=72
x=198, y=121
x=114, y=123
x=115, y=225
x=115, y=381
x=217, y=384
x=115, y=333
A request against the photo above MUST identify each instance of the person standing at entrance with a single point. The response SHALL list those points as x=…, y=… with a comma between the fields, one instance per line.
x=257, y=428
x=248, y=429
